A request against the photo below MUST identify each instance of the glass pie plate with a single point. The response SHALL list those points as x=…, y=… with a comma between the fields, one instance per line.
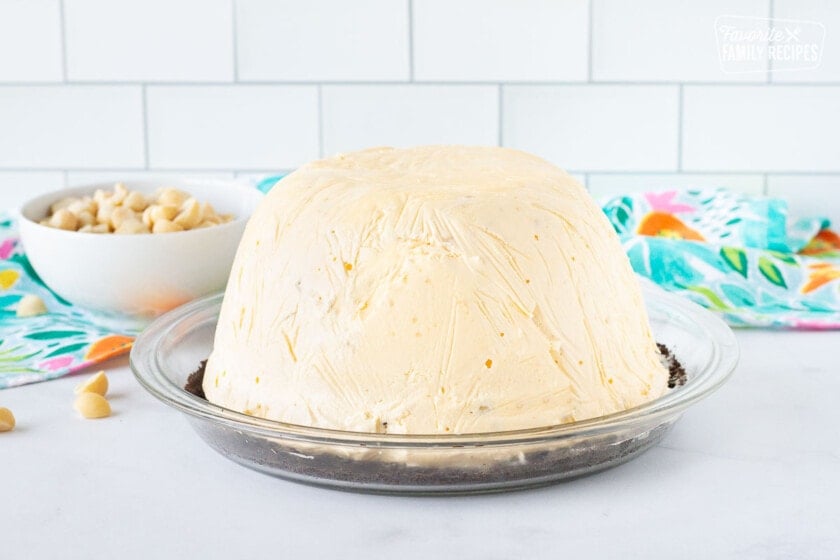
x=172, y=347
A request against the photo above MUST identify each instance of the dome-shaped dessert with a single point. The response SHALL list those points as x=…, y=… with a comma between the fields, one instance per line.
x=432, y=290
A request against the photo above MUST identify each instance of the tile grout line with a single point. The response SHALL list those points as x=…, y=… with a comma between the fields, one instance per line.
x=63, y=31
x=755, y=173
x=680, y=111
x=589, y=45
x=145, y=130
x=320, y=121
x=588, y=172
x=163, y=171
x=235, y=38
x=765, y=188
x=423, y=83
x=410, y=40
x=500, y=116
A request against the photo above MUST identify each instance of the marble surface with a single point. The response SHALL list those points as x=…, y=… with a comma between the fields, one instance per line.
x=753, y=472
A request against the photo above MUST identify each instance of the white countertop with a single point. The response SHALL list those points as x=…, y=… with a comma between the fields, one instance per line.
x=752, y=472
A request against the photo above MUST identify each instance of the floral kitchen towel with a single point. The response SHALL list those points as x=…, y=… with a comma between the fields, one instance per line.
x=64, y=340
x=741, y=256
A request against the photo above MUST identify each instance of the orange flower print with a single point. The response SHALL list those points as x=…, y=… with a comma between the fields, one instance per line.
x=662, y=224
x=109, y=346
x=826, y=241
x=821, y=274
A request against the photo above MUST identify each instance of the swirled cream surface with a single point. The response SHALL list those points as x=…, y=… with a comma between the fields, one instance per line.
x=432, y=290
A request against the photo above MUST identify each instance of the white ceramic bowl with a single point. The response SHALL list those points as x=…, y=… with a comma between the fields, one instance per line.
x=144, y=274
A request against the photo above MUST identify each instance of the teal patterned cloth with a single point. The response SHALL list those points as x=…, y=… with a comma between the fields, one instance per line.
x=740, y=256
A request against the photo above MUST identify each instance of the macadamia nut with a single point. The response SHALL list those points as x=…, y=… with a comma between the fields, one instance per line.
x=163, y=212
x=120, y=192
x=98, y=228
x=86, y=218
x=97, y=383
x=64, y=219
x=103, y=215
x=132, y=226
x=171, y=197
x=135, y=201
x=30, y=305
x=92, y=405
x=166, y=226
x=190, y=215
x=7, y=420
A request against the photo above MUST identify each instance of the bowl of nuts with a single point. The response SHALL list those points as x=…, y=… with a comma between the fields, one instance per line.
x=139, y=247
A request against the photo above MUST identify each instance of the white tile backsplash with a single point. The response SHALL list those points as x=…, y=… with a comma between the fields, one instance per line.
x=356, y=117
x=594, y=127
x=761, y=128
x=809, y=195
x=826, y=12
x=664, y=40
x=610, y=184
x=16, y=187
x=54, y=127
x=626, y=95
x=80, y=178
x=232, y=127
x=149, y=40
x=30, y=41
x=501, y=40
x=289, y=40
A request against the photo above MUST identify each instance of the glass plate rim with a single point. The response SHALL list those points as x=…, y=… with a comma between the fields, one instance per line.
x=144, y=361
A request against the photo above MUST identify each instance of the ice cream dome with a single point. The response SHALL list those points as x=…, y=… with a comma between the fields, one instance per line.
x=432, y=290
